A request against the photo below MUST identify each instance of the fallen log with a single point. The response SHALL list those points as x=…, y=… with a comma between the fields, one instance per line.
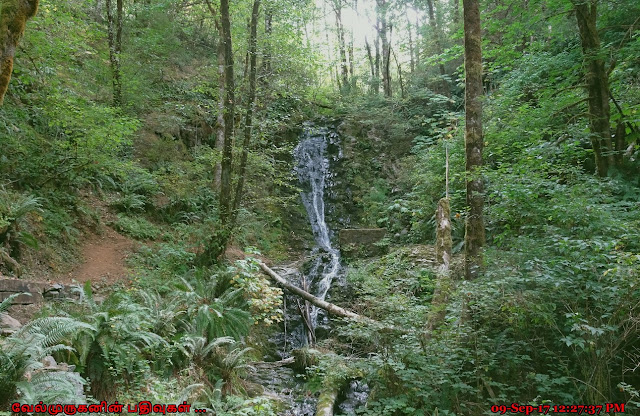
x=274, y=364
x=327, y=401
x=314, y=300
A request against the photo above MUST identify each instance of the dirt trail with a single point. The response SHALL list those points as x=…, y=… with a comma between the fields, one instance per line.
x=104, y=259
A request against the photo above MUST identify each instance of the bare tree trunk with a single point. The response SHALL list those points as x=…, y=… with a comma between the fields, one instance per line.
x=474, y=226
x=351, y=65
x=386, y=47
x=248, y=120
x=412, y=63
x=114, y=27
x=373, y=84
x=13, y=19
x=376, y=85
x=395, y=57
x=417, y=26
x=344, y=68
x=597, y=86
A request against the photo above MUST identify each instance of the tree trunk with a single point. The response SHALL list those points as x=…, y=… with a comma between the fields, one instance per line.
x=597, y=81
x=13, y=19
x=217, y=244
x=376, y=79
x=372, y=85
x=412, y=64
x=248, y=119
x=435, y=30
x=229, y=113
x=386, y=46
x=114, y=27
x=344, y=68
x=444, y=243
x=219, y=142
x=474, y=225
x=395, y=57
x=266, y=57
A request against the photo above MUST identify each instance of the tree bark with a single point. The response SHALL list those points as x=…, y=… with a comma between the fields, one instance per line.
x=597, y=81
x=412, y=63
x=266, y=57
x=474, y=225
x=219, y=141
x=229, y=113
x=382, y=27
x=372, y=84
x=13, y=19
x=248, y=120
x=114, y=28
x=344, y=68
x=395, y=57
x=376, y=78
x=444, y=243
x=218, y=242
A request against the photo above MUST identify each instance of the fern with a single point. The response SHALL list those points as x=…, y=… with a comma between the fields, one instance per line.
x=21, y=368
x=53, y=329
x=51, y=387
x=6, y=304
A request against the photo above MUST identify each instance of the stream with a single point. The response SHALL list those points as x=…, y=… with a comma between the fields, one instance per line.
x=304, y=324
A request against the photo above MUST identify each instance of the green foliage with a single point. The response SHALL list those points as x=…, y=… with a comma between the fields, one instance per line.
x=136, y=227
x=264, y=300
x=21, y=355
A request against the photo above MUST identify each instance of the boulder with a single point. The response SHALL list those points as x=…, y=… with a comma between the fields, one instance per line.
x=8, y=325
x=362, y=242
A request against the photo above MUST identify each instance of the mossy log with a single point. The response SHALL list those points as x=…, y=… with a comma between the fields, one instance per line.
x=327, y=401
x=13, y=18
x=329, y=307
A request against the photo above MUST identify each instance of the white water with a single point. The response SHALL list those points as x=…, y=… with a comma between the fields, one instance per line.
x=313, y=173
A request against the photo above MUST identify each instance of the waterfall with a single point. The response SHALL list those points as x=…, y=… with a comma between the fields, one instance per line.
x=313, y=172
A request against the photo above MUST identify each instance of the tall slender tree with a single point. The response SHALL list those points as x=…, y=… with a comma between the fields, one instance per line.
x=384, y=34
x=597, y=85
x=218, y=242
x=248, y=120
x=342, y=48
x=114, y=28
x=474, y=225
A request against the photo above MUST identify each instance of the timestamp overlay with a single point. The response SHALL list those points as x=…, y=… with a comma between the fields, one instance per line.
x=552, y=409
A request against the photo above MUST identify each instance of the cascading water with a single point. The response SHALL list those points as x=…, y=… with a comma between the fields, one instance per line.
x=301, y=319
x=313, y=173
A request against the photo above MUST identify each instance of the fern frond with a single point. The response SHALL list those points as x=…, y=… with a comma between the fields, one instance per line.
x=55, y=330
x=6, y=304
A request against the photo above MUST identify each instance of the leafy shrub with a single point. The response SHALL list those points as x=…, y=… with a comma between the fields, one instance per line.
x=138, y=228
